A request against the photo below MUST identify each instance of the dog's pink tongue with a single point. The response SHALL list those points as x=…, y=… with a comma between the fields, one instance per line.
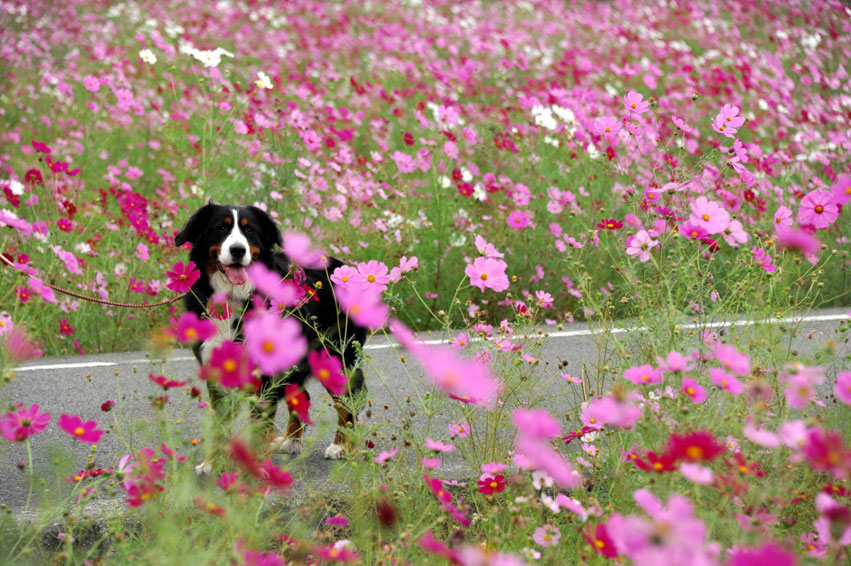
x=236, y=275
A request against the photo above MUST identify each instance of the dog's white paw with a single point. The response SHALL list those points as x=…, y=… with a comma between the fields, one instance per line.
x=204, y=469
x=334, y=452
x=284, y=445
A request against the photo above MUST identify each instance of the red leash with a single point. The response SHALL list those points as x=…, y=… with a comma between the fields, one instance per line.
x=97, y=300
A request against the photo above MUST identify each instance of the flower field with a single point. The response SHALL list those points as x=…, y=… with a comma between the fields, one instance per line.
x=484, y=169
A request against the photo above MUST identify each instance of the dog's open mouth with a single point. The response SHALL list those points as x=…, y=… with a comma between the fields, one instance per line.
x=235, y=273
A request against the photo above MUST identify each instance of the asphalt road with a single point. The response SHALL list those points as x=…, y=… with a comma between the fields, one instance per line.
x=79, y=385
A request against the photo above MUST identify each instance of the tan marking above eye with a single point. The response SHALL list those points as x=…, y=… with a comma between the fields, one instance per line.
x=244, y=221
x=228, y=220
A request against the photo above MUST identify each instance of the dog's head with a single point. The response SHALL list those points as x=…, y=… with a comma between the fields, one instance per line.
x=228, y=238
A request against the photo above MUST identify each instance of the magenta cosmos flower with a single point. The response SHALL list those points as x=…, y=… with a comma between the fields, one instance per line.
x=643, y=375
x=23, y=423
x=487, y=272
x=640, y=245
x=274, y=343
x=189, y=328
x=693, y=390
x=182, y=277
x=819, y=209
x=709, y=215
x=328, y=370
x=230, y=366
x=83, y=431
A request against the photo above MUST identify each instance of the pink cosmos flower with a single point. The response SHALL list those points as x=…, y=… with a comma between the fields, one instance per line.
x=804, y=242
x=189, y=328
x=23, y=423
x=438, y=446
x=535, y=428
x=693, y=390
x=535, y=424
x=818, y=209
x=282, y=291
x=487, y=249
x=18, y=346
x=385, y=456
x=82, y=431
x=328, y=370
x=680, y=123
x=430, y=463
x=345, y=275
x=675, y=362
x=783, y=217
x=274, y=343
x=760, y=436
x=734, y=234
x=42, y=290
x=671, y=536
x=373, y=274
x=640, y=245
x=301, y=252
x=731, y=359
x=801, y=382
x=725, y=381
x=182, y=277
x=643, y=375
x=833, y=525
x=841, y=190
x=696, y=473
x=709, y=215
x=91, y=83
x=548, y=535
x=607, y=127
x=436, y=487
x=518, y=220
x=610, y=411
x=762, y=259
x=274, y=477
x=363, y=306
x=842, y=387
x=728, y=121
x=487, y=272
x=468, y=380
x=635, y=103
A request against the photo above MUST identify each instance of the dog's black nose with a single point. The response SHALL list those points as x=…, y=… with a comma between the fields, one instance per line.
x=237, y=252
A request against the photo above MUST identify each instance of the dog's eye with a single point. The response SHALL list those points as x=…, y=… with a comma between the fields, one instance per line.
x=248, y=229
x=222, y=228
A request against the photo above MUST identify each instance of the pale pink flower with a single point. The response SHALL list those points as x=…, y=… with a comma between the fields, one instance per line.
x=643, y=375
x=489, y=273
x=275, y=344
x=640, y=245
x=783, y=217
x=487, y=249
x=732, y=360
x=363, y=306
x=725, y=381
x=301, y=252
x=842, y=387
x=841, y=190
x=635, y=103
x=709, y=215
x=734, y=234
x=548, y=535
x=693, y=390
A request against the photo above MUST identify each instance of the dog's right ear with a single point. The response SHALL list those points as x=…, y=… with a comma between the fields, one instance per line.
x=195, y=226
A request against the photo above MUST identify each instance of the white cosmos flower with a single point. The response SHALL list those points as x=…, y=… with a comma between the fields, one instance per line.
x=263, y=81
x=148, y=56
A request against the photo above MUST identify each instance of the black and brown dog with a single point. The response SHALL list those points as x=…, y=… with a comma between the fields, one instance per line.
x=225, y=241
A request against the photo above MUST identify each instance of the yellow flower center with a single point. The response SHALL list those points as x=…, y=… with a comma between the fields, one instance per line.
x=191, y=333
x=592, y=420
x=182, y=277
x=690, y=390
x=608, y=129
x=484, y=276
x=324, y=374
x=345, y=278
x=599, y=543
x=79, y=431
x=633, y=105
x=494, y=484
x=294, y=401
x=694, y=452
x=819, y=209
x=706, y=217
x=371, y=278
x=268, y=347
x=743, y=470
x=229, y=365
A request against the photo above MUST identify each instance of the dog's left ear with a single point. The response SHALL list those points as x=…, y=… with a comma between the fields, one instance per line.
x=268, y=229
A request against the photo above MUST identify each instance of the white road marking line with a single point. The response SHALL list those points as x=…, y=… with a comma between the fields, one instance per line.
x=557, y=334
x=67, y=366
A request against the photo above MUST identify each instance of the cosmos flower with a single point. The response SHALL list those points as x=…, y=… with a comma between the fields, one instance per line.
x=82, y=431
x=486, y=272
x=21, y=424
